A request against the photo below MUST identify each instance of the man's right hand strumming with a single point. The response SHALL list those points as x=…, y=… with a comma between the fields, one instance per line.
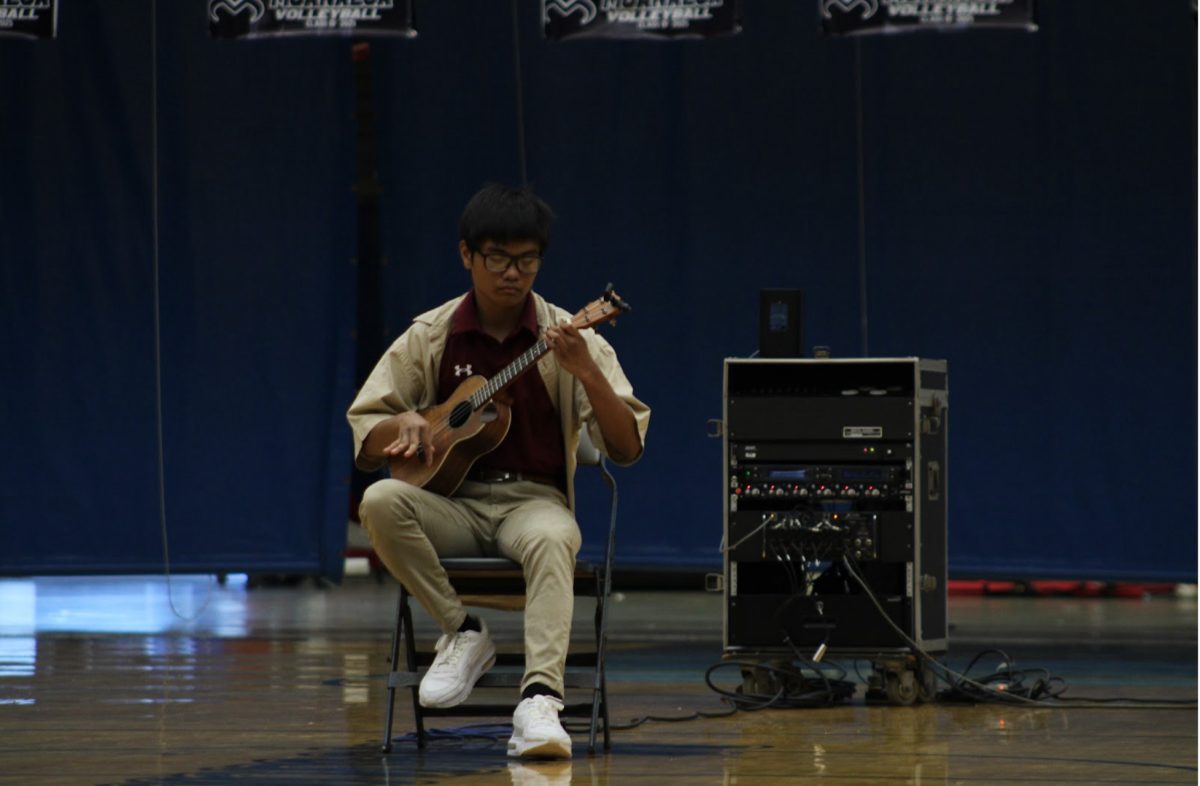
x=405, y=435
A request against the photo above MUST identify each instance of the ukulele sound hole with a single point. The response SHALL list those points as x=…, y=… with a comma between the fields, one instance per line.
x=460, y=413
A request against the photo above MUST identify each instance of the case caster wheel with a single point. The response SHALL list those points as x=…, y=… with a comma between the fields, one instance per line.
x=926, y=685
x=901, y=688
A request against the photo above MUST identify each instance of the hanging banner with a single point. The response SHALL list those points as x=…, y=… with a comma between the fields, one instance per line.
x=639, y=18
x=853, y=17
x=254, y=18
x=29, y=18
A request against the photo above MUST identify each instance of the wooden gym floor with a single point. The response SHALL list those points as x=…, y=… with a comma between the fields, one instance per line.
x=115, y=681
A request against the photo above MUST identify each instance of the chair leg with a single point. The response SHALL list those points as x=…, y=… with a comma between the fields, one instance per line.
x=604, y=711
x=393, y=659
x=599, y=715
x=410, y=657
x=599, y=703
x=609, y=554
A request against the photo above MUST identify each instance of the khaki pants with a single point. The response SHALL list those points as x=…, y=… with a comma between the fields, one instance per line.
x=527, y=522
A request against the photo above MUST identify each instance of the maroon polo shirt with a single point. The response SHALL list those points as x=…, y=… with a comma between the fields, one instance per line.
x=534, y=444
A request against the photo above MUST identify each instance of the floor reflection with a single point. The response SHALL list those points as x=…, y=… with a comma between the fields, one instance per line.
x=123, y=605
x=123, y=680
x=540, y=773
x=18, y=656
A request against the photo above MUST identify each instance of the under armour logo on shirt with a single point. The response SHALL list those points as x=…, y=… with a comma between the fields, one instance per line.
x=462, y=371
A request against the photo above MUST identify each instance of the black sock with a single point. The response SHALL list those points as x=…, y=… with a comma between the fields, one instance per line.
x=538, y=689
x=470, y=623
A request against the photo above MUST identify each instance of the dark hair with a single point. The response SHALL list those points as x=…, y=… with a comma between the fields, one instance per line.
x=503, y=214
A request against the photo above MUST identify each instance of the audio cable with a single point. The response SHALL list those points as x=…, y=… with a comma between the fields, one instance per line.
x=1008, y=687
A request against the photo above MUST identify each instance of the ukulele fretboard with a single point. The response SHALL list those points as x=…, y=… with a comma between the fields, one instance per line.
x=508, y=374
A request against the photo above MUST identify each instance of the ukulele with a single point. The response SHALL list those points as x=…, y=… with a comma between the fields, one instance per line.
x=470, y=423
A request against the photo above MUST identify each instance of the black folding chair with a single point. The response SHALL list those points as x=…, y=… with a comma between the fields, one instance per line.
x=499, y=583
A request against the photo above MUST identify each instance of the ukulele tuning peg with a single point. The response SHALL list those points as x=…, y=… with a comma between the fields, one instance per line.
x=615, y=299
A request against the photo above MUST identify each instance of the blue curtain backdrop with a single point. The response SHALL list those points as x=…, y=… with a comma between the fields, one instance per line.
x=256, y=237
x=1029, y=215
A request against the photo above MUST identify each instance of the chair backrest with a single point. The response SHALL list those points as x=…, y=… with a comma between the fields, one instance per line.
x=587, y=454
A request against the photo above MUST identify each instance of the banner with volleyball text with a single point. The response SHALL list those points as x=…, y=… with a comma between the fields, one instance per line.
x=29, y=18
x=856, y=17
x=258, y=18
x=639, y=19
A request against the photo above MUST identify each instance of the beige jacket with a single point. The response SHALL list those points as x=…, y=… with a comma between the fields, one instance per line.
x=405, y=379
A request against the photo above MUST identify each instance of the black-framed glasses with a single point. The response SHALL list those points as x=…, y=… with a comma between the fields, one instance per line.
x=500, y=261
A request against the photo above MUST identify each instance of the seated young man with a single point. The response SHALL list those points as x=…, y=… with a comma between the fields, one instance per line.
x=516, y=501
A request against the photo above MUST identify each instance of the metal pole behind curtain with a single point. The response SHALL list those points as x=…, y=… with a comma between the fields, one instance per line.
x=862, y=201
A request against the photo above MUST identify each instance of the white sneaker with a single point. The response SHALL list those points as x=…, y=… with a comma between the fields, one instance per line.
x=462, y=658
x=537, y=732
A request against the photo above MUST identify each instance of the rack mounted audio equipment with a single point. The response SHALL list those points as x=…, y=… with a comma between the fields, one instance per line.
x=826, y=460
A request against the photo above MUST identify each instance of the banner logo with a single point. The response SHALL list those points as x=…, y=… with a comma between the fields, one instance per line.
x=235, y=7
x=869, y=7
x=564, y=8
